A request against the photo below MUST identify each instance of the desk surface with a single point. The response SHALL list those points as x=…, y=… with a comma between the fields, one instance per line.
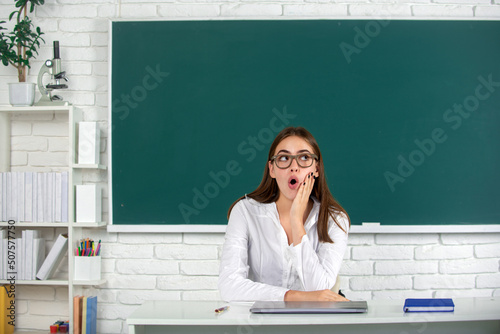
x=379, y=312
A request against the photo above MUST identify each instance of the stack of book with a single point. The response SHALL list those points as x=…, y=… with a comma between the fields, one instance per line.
x=34, y=197
x=84, y=315
x=23, y=256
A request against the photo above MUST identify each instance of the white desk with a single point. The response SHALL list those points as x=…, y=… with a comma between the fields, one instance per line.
x=472, y=315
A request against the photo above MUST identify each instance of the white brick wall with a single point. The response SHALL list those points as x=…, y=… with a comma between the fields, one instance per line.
x=141, y=267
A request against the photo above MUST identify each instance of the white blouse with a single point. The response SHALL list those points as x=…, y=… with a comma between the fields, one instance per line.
x=258, y=264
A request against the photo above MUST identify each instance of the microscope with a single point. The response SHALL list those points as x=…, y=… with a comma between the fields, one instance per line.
x=53, y=68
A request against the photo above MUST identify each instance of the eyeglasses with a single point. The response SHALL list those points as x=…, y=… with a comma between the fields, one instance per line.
x=304, y=160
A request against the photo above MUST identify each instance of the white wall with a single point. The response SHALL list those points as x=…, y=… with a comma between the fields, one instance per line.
x=185, y=266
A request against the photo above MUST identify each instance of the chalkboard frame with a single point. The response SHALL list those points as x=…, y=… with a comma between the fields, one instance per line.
x=194, y=228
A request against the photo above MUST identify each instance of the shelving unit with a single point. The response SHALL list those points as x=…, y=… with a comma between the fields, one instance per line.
x=75, y=171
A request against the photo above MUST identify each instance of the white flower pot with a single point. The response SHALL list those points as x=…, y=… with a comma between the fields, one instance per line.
x=21, y=94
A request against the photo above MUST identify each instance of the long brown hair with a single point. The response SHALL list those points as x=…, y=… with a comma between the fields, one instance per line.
x=268, y=191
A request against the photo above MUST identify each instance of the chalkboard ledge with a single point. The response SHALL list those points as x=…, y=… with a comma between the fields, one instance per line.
x=167, y=228
x=382, y=229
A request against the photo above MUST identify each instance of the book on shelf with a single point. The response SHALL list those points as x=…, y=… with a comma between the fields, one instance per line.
x=31, y=252
x=28, y=203
x=54, y=258
x=6, y=205
x=4, y=252
x=23, y=256
x=34, y=196
x=91, y=315
x=38, y=257
x=19, y=265
x=88, y=143
x=84, y=315
x=21, y=193
x=77, y=314
x=88, y=203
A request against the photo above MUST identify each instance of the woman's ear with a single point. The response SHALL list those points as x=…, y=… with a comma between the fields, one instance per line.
x=271, y=169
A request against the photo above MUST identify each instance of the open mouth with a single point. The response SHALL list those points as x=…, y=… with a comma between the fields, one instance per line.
x=293, y=182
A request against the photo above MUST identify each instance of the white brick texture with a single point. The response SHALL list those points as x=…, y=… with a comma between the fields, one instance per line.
x=315, y=10
x=468, y=266
x=189, y=252
x=373, y=283
x=162, y=266
x=460, y=11
x=188, y=10
x=382, y=253
x=492, y=250
x=405, y=267
x=435, y=282
x=251, y=9
x=146, y=267
x=434, y=252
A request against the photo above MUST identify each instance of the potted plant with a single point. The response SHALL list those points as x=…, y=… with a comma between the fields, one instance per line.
x=18, y=47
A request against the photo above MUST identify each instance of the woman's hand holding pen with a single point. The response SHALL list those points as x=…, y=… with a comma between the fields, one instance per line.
x=299, y=207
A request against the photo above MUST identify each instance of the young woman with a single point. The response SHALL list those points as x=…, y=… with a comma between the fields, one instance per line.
x=286, y=239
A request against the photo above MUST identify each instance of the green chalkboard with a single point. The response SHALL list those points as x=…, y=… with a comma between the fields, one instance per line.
x=407, y=115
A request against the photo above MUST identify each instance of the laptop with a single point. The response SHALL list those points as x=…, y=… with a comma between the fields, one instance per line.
x=310, y=307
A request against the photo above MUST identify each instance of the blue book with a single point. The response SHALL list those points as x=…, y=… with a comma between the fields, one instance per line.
x=91, y=325
x=429, y=305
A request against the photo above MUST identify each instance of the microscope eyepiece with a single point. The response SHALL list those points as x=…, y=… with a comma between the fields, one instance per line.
x=56, y=50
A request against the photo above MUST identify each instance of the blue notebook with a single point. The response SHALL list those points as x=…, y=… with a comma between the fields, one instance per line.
x=429, y=305
x=91, y=315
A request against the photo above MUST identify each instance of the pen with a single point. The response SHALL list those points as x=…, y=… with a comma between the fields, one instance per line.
x=98, y=248
x=222, y=309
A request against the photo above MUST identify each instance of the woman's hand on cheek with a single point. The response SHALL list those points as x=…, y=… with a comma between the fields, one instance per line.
x=301, y=201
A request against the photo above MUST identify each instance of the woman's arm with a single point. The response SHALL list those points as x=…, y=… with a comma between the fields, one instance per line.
x=234, y=284
x=318, y=269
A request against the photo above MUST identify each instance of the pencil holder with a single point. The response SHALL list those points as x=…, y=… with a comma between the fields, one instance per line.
x=87, y=268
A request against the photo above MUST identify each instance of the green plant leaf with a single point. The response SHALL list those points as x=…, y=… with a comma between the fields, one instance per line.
x=21, y=44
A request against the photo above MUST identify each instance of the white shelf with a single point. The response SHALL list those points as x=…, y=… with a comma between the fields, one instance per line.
x=89, y=282
x=84, y=166
x=74, y=224
x=56, y=282
x=34, y=110
x=76, y=176
x=31, y=224
x=96, y=225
